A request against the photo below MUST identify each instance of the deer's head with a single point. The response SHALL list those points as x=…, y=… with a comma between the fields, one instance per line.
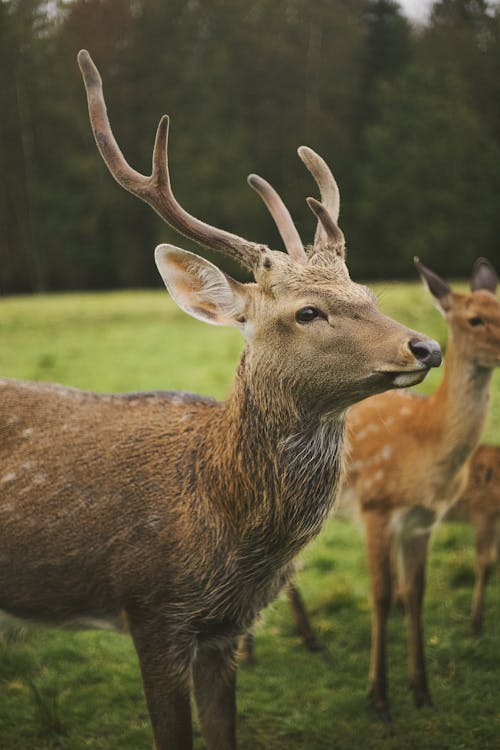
x=310, y=330
x=473, y=319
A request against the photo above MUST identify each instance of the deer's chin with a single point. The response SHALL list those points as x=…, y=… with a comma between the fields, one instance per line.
x=407, y=379
x=402, y=378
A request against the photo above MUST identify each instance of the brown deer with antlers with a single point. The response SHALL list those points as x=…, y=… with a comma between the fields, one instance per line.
x=178, y=514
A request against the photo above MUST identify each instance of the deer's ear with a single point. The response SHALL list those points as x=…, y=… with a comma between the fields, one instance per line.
x=483, y=276
x=436, y=285
x=200, y=288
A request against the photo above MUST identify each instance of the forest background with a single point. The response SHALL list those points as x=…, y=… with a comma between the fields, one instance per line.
x=407, y=115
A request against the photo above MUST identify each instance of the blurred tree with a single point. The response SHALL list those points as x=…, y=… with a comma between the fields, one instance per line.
x=429, y=178
x=22, y=54
x=408, y=118
x=387, y=48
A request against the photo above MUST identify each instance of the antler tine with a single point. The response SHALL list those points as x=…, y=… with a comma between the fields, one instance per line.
x=332, y=231
x=155, y=189
x=281, y=216
x=330, y=196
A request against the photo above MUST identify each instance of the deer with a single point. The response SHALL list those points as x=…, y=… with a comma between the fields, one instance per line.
x=480, y=505
x=174, y=516
x=409, y=464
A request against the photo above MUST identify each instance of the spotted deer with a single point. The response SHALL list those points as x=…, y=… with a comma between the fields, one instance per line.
x=480, y=505
x=409, y=464
x=178, y=515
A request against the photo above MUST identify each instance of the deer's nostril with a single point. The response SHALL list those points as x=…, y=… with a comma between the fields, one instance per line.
x=426, y=351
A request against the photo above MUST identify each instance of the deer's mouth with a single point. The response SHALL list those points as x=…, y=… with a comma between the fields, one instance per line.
x=406, y=378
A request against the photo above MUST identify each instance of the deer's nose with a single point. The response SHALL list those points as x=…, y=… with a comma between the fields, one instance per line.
x=426, y=351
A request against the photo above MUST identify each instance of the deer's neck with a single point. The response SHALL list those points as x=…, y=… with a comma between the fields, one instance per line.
x=278, y=472
x=460, y=404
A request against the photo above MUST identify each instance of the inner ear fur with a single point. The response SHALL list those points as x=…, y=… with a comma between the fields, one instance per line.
x=200, y=288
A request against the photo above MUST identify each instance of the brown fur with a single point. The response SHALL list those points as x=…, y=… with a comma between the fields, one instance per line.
x=178, y=514
x=181, y=512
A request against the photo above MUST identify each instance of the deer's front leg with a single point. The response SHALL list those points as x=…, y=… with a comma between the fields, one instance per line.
x=414, y=557
x=485, y=538
x=166, y=680
x=214, y=678
x=378, y=546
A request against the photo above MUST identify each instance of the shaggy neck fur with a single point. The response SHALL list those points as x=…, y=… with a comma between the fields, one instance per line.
x=285, y=467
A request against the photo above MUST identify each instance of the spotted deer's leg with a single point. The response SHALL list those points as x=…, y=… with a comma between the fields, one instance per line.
x=485, y=551
x=397, y=596
x=214, y=679
x=414, y=557
x=378, y=547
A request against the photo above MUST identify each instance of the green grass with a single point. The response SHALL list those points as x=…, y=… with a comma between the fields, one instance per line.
x=79, y=690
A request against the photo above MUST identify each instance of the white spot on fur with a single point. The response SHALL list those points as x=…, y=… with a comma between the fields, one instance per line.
x=155, y=520
x=405, y=411
x=8, y=477
x=378, y=476
x=387, y=452
x=40, y=478
x=369, y=428
x=27, y=432
x=356, y=465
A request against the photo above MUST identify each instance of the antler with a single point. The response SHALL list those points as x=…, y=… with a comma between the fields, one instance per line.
x=330, y=196
x=155, y=189
x=329, y=227
x=281, y=216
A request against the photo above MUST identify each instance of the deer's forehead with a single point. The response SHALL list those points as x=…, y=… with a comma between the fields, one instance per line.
x=480, y=301
x=330, y=293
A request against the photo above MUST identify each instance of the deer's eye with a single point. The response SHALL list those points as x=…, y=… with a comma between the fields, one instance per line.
x=307, y=314
x=476, y=321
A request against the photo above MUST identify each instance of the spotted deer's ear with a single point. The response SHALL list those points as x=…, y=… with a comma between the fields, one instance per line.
x=483, y=276
x=200, y=288
x=436, y=285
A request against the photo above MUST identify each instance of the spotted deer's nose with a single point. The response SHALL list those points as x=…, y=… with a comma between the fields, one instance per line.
x=426, y=351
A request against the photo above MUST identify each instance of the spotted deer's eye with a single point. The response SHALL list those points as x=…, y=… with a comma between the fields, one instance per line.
x=476, y=321
x=307, y=314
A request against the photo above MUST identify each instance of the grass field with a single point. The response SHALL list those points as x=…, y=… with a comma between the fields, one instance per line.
x=79, y=690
